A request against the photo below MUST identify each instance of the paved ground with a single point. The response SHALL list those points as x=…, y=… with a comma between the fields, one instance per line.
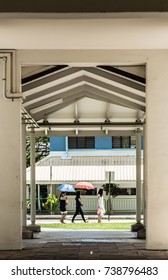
x=84, y=245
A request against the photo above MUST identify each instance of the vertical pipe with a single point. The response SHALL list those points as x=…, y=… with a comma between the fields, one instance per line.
x=138, y=175
x=109, y=197
x=39, y=202
x=32, y=173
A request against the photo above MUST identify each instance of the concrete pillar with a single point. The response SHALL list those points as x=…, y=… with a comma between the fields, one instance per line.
x=138, y=224
x=157, y=148
x=141, y=233
x=24, y=211
x=138, y=175
x=144, y=174
x=10, y=171
x=32, y=175
x=33, y=226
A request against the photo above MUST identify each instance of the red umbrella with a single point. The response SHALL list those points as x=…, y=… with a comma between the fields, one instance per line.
x=84, y=185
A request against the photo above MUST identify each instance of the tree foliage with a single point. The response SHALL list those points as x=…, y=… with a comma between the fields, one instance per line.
x=114, y=189
x=42, y=148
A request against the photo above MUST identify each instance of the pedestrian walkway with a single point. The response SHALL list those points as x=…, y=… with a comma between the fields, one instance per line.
x=84, y=245
x=58, y=244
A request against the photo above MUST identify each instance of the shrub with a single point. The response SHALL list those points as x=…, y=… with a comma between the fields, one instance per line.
x=51, y=203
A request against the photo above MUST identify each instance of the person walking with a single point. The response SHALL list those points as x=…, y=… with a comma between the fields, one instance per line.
x=100, y=205
x=63, y=201
x=79, y=208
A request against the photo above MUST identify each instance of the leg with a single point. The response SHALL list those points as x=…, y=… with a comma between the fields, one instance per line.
x=82, y=214
x=76, y=213
x=61, y=220
x=63, y=216
x=99, y=218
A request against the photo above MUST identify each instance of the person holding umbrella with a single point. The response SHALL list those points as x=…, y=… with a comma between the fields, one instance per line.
x=100, y=205
x=78, y=207
x=63, y=201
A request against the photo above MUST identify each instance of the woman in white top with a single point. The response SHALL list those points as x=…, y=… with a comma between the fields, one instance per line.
x=100, y=205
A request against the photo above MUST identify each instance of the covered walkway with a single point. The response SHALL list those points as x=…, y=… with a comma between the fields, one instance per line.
x=64, y=244
x=84, y=245
x=84, y=98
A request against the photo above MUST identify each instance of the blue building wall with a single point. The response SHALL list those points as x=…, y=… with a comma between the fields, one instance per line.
x=103, y=142
x=57, y=143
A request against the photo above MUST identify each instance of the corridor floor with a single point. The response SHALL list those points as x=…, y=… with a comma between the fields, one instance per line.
x=84, y=245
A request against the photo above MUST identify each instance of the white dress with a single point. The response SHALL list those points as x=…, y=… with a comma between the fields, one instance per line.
x=100, y=205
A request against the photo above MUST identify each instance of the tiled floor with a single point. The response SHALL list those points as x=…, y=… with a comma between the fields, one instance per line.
x=84, y=245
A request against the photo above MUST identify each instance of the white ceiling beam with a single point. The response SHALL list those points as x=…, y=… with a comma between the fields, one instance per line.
x=115, y=78
x=116, y=98
x=35, y=102
x=85, y=133
x=65, y=72
x=90, y=93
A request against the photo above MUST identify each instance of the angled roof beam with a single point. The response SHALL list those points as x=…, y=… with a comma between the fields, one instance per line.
x=32, y=102
x=49, y=78
x=40, y=102
x=121, y=72
x=91, y=94
x=66, y=102
x=71, y=98
x=49, y=93
x=114, y=89
x=115, y=78
x=45, y=70
x=115, y=98
x=74, y=70
x=38, y=93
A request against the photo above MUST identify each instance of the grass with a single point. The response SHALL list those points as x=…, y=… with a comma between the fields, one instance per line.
x=90, y=226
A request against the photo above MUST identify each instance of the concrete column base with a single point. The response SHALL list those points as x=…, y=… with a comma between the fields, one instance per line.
x=137, y=227
x=34, y=228
x=26, y=233
x=141, y=233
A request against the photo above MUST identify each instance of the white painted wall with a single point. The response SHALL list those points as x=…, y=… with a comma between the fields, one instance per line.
x=135, y=32
x=10, y=198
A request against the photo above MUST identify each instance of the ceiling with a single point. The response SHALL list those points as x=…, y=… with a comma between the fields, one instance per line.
x=81, y=101
x=86, y=6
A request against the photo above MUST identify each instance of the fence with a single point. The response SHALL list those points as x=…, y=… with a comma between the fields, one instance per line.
x=120, y=204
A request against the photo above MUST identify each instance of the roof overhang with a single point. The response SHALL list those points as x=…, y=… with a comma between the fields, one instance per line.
x=100, y=100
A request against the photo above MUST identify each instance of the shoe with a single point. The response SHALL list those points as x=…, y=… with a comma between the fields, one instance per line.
x=72, y=221
x=86, y=221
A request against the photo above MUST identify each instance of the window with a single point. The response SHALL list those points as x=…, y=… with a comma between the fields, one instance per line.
x=126, y=191
x=124, y=142
x=81, y=142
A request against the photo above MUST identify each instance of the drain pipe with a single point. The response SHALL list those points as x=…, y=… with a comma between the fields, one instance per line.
x=6, y=67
